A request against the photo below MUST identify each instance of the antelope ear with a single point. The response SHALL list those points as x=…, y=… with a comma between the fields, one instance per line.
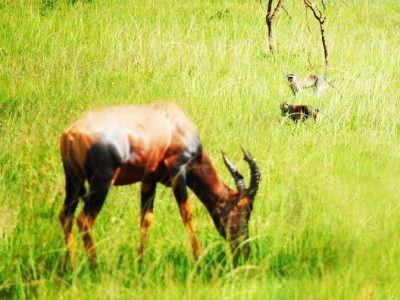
x=285, y=104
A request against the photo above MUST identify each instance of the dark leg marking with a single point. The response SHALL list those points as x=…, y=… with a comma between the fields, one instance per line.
x=101, y=162
x=181, y=195
x=146, y=215
x=74, y=188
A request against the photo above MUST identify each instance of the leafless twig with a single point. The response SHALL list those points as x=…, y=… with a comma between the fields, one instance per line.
x=284, y=9
x=321, y=19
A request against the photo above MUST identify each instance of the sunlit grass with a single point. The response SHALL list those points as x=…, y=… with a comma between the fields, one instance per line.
x=327, y=217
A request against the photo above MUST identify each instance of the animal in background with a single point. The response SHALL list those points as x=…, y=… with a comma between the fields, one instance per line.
x=298, y=83
x=299, y=112
x=150, y=144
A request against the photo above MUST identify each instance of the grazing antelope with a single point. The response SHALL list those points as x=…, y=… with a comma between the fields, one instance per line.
x=150, y=143
x=298, y=112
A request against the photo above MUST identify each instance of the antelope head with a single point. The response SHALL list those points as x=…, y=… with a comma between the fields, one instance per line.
x=236, y=211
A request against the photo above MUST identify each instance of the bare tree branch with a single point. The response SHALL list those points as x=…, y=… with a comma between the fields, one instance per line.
x=284, y=9
x=321, y=19
x=268, y=19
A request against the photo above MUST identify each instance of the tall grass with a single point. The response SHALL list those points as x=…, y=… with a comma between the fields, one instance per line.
x=327, y=217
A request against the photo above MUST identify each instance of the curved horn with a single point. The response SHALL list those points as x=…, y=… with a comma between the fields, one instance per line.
x=255, y=174
x=239, y=181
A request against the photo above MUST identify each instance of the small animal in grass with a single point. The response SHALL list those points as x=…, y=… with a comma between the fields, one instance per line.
x=299, y=112
x=298, y=83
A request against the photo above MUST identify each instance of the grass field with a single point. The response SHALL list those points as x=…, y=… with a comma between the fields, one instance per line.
x=326, y=221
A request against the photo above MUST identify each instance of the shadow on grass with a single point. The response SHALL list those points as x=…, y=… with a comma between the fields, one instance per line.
x=311, y=253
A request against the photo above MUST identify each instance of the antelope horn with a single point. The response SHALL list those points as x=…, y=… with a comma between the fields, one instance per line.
x=255, y=174
x=239, y=181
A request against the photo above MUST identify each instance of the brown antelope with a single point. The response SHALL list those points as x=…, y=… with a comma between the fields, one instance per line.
x=150, y=143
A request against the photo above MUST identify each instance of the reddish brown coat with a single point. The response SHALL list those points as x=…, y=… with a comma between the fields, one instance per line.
x=150, y=143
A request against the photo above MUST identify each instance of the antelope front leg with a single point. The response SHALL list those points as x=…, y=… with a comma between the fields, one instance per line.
x=180, y=192
x=146, y=216
x=186, y=215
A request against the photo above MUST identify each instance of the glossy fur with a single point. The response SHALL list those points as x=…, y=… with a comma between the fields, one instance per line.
x=150, y=144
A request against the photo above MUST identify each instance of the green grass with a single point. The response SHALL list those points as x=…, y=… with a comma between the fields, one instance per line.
x=327, y=217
